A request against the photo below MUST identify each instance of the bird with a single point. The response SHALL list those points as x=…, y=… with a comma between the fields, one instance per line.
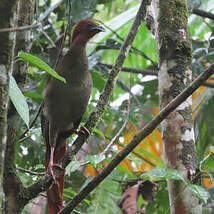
x=64, y=105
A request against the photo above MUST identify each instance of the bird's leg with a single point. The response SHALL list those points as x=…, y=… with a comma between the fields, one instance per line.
x=52, y=164
x=53, y=134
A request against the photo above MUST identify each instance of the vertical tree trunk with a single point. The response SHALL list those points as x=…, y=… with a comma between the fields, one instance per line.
x=174, y=49
x=6, y=13
x=13, y=187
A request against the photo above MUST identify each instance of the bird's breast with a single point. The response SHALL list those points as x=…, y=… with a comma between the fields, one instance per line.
x=66, y=103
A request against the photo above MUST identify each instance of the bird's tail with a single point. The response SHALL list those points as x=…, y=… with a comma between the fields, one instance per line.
x=55, y=193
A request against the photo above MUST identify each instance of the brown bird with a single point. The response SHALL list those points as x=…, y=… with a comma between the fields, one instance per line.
x=65, y=104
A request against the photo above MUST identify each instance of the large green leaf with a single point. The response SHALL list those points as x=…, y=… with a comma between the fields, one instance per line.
x=95, y=159
x=208, y=161
x=18, y=100
x=40, y=64
x=164, y=173
x=149, y=154
x=73, y=166
x=199, y=191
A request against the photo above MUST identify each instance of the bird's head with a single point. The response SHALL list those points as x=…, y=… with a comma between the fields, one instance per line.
x=85, y=30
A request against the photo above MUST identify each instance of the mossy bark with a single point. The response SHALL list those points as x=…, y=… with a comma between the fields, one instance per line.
x=6, y=13
x=13, y=187
x=175, y=52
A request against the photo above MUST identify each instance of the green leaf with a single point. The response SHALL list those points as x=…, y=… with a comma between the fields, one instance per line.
x=125, y=170
x=160, y=162
x=164, y=173
x=39, y=166
x=211, y=174
x=73, y=166
x=40, y=64
x=98, y=81
x=208, y=161
x=18, y=100
x=97, y=131
x=199, y=191
x=33, y=95
x=95, y=159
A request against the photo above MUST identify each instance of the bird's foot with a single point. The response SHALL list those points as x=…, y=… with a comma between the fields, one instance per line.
x=83, y=130
x=51, y=172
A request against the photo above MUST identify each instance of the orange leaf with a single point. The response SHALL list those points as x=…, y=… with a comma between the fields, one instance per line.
x=207, y=181
x=152, y=146
x=91, y=171
x=127, y=138
x=156, y=110
x=159, y=139
x=127, y=164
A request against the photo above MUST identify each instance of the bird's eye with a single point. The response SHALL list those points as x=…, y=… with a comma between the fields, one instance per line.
x=90, y=26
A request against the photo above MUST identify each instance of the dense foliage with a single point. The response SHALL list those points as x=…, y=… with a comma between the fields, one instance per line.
x=135, y=97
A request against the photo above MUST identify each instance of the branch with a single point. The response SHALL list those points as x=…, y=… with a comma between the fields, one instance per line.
x=203, y=13
x=29, y=171
x=133, y=70
x=28, y=27
x=112, y=142
x=45, y=182
x=148, y=72
x=147, y=129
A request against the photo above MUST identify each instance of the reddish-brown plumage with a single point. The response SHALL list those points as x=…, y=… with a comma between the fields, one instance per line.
x=65, y=104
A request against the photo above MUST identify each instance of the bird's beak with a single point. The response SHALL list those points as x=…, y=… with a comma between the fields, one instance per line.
x=98, y=28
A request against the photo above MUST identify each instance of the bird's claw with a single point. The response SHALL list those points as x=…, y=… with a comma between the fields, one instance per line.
x=84, y=131
x=51, y=172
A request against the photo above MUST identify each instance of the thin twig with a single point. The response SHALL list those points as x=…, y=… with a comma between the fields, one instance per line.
x=28, y=27
x=133, y=70
x=125, y=122
x=144, y=132
x=49, y=38
x=29, y=171
x=32, y=122
x=49, y=10
x=147, y=72
x=132, y=48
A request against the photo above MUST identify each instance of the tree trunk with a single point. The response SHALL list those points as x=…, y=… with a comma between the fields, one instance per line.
x=174, y=49
x=6, y=13
x=13, y=187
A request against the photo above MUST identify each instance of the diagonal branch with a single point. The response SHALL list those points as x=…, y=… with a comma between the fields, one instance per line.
x=148, y=128
x=203, y=13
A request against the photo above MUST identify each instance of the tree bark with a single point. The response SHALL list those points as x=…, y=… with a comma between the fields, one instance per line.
x=6, y=12
x=12, y=184
x=174, y=50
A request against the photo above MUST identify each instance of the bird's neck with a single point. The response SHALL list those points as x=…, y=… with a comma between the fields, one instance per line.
x=75, y=63
x=78, y=49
